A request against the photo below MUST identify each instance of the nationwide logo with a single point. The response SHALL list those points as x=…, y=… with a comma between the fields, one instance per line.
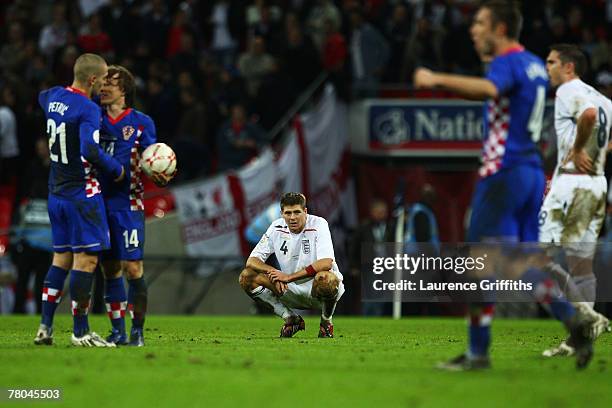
x=127, y=131
x=391, y=128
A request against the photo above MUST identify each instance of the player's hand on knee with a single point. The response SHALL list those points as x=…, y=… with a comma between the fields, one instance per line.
x=281, y=287
x=277, y=276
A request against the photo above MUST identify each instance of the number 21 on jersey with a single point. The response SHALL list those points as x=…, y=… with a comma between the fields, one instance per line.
x=57, y=134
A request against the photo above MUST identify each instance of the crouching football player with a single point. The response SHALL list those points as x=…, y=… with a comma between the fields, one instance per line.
x=309, y=277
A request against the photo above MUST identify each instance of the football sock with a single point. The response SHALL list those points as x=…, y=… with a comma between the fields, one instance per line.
x=565, y=281
x=588, y=287
x=115, y=299
x=52, y=293
x=547, y=292
x=327, y=309
x=80, y=292
x=137, y=301
x=479, y=333
x=267, y=296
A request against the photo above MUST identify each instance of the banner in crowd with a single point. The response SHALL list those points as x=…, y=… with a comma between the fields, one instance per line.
x=215, y=212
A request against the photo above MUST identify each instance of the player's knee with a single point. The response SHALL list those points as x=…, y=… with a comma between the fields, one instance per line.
x=325, y=285
x=62, y=260
x=133, y=269
x=85, y=262
x=246, y=278
x=111, y=269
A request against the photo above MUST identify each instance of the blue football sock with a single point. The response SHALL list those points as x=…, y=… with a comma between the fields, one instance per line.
x=137, y=301
x=547, y=292
x=80, y=292
x=52, y=293
x=115, y=298
x=479, y=331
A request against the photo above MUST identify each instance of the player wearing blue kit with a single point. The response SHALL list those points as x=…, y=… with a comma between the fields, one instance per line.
x=125, y=133
x=76, y=208
x=508, y=197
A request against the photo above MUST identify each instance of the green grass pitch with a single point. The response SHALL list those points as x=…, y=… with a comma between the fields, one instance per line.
x=239, y=362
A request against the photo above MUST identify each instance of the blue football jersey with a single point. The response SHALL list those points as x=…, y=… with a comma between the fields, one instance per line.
x=73, y=123
x=124, y=138
x=513, y=120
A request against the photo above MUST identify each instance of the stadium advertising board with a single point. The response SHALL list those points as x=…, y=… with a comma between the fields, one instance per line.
x=421, y=127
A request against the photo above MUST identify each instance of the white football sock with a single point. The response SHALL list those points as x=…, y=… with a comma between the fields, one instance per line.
x=588, y=288
x=267, y=296
x=565, y=281
x=327, y=309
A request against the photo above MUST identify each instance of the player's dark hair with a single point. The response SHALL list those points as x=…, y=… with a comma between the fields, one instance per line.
x=289, y=199
x=125, y=81
x=571, y=53
x=507, y=12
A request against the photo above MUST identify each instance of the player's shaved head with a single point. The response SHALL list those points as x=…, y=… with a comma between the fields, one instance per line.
x=570, y=53
x=88, y=65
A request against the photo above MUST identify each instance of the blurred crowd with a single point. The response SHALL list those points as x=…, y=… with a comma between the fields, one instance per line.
x=217, y=75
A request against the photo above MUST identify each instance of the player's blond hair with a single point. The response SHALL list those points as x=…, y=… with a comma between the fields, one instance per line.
x=88, y=65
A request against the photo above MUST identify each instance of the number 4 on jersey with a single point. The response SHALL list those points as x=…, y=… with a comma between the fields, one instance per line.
x=284, y=248
x=537, y=114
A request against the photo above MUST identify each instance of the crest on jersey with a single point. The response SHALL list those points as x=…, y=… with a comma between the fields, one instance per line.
x=306, y=246
x=127, y=131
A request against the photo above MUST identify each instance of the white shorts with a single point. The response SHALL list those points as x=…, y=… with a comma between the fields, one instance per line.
x=298, y=295
x=574, y=210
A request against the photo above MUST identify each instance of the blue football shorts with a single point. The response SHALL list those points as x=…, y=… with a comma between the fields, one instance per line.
x=78, y=225
x=127, y=235
x=505, y=205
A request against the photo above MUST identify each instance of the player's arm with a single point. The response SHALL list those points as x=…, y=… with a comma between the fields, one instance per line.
x=89, y=135
x=584, y=130
x=466, y=86
x=261, y=252
x=311, y=270
x=259, y=266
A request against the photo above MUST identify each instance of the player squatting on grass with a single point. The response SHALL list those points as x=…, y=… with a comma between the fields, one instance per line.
x=308, y=277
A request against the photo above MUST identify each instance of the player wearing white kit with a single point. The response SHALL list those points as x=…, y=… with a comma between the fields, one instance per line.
x=309, y=277
x=574, y=209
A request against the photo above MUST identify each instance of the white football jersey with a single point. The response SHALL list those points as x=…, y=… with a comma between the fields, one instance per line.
x=572, y=99
x=296, y=251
